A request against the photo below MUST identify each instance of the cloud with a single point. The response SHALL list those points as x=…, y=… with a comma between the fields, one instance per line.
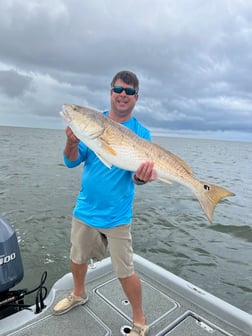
x=193, y=59
x=13, y=84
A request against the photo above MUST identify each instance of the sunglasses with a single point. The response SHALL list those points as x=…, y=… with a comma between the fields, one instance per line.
x=128, y=91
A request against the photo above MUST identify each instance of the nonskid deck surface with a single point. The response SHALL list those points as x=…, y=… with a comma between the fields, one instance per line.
x=169, y=310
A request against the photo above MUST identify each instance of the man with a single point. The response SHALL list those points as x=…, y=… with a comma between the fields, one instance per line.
x=103, y=211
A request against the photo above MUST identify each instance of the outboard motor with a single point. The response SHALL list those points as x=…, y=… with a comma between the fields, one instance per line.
x=11, y=266
x=11, y=273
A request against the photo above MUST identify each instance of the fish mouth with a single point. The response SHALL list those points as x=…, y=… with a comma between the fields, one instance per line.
x=65, y=114
x=64, y=108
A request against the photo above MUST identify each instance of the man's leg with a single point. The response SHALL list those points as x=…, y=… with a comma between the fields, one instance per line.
x=83, y=241
x=121, y=251
x=133, y=290
x=78, y=295
x=86, y=243
x=79, y=272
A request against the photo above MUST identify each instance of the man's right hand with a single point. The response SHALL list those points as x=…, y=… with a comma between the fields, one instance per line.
x=71, y=148
x=71, y=138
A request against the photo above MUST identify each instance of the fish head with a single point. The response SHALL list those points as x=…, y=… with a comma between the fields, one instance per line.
x=73, y=113
x=84, y=122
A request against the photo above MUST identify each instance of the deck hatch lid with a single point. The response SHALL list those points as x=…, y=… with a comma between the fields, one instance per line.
x=192, y=324
x=159, y=304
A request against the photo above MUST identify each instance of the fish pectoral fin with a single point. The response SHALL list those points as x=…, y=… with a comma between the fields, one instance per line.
x=104, y=161
x=106, y=147
x=96, y=134
x=166, y=180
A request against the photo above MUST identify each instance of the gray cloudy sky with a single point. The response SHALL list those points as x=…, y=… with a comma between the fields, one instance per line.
x=193, y=59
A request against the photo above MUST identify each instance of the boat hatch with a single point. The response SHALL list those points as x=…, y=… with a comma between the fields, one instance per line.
x=159, y=304
x=197, y=326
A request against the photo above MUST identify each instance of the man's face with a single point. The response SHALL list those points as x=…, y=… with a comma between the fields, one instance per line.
x=122, y=103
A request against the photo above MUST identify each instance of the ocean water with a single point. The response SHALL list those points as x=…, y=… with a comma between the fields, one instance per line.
x=37, y=194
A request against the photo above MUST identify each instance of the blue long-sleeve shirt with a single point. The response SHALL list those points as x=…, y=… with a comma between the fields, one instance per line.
x=106, y=196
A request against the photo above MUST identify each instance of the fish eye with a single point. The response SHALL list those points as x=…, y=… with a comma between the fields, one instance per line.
x=206, y=187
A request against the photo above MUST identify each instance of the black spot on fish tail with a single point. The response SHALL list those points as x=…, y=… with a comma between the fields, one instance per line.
x=209, y=195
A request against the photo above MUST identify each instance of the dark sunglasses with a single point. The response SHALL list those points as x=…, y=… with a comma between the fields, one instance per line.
x=128, y=91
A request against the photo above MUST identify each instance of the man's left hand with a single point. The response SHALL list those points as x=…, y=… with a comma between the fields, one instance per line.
x=146, y=172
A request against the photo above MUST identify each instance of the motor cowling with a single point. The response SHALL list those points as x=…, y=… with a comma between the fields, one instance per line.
x=11, y=266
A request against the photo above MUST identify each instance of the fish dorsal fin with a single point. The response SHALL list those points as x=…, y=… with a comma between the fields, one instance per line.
x=104, y=161
x=183, y=164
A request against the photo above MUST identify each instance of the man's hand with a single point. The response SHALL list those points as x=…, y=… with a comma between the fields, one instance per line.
x=71, y=138
x=71, y=149
x=146, y=172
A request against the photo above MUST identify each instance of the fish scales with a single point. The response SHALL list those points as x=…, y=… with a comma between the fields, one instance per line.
x=116, y=145
x=138, y=150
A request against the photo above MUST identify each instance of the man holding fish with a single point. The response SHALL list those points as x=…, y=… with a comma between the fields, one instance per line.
x=103, y=212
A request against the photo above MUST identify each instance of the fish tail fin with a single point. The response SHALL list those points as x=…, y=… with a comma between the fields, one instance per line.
x=209, y=195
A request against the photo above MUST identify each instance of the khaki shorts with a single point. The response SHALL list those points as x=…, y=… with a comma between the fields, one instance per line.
x=91, y=243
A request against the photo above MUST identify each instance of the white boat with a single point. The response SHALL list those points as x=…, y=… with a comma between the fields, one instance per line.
x=173, y=307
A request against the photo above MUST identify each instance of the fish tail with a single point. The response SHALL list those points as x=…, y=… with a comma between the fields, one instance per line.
x=209, y=195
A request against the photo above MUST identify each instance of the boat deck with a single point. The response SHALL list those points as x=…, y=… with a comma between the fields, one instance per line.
x=173, y=307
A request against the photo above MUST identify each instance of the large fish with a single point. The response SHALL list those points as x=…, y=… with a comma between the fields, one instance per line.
x=116, y=145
